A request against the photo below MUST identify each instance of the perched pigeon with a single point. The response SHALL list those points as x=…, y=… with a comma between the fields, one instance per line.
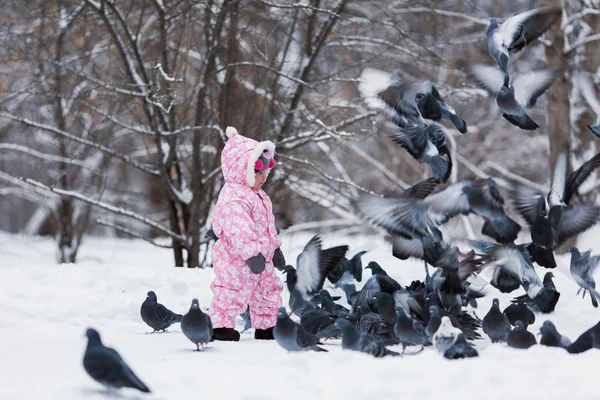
x=404, y=100
x=331, y=307
x=589, y=339
x=480, y=197
x=495, y=324
x=293, y=337
x=520, y=337
x=519, y=312
x=157, y=316
x=435, y=320
x=426, y=144
x=522, y=93
x=518, y=31
x=460, y=349
x=551, y=217
x=320, y=323
x=445, y=336
x=409, y=331
x=582, y=269
x=107, y=367
x=380, y=281
x=551, y=337
x=386, y=307
x=197, y=325
x=356, y=340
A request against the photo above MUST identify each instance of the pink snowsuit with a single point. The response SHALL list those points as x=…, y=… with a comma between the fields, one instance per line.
x=243, y=221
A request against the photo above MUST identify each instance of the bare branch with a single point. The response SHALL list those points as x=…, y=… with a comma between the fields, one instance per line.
x=581, y=42
x=416, y=10
x=131, y=233
x=43, y=156
x=259, y=65
x=95, y=145
x=105, y=206
x=348, y=40
x=299, y=6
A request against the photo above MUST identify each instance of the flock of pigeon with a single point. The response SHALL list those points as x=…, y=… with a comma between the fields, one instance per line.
x=433, y=312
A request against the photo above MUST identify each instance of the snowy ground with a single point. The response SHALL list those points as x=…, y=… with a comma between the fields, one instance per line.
x=45, y=309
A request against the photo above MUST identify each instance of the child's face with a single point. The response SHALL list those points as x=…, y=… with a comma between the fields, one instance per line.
x=260, y=178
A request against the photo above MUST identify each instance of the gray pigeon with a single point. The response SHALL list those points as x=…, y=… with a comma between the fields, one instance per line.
x=435, y=320
x=426, y=144
x=331, y=307
x=519, y=312
x=409, y=331
x=313, y=265
x=445, y=336
x=293, y=337
x=551, y=337
x=589, y=339
x=460, y=349
x=356, y=340
x=582, y=269
x=518, y=31
x=197, y=325
x=247, y=319
x=522, y=92
x=520, y=337
x=157, y=316
x=552, y=218
x=107, y=367
x=480, y=197
x=406, y=101
x=495, y=324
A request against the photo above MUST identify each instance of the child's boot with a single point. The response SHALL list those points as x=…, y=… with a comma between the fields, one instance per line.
x=226, y=335
x=264, y=334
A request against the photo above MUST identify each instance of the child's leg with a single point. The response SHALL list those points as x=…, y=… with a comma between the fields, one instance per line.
x=231, y=292
x=266, y=299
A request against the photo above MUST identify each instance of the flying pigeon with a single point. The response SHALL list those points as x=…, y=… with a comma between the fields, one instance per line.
x=582, y=269
x=460, y=349
x=293, y=337
x=522, y=92
x=197, y=325
x=312, y=267
x=551, y=337
x=426, y=144
x=545, y=301
x=520, y=337
x=347, y=271
x=356, y=340
x=480, y=197
x=406, y=101
x=157, y=316
x=495, y=324
x=518, y=31
x=445, y=336
x=551, y=217
x=107, y=367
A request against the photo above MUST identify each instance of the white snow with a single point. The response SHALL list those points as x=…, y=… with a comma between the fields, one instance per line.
x=47, y=307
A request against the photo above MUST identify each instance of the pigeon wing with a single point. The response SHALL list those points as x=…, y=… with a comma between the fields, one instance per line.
x=308, y=269
x=412, y=138
x=451, y=201
x=422, y=189
x=531, y=85
x=521, y=29
x=404, y=248
x=491, y=78
x=570, y=221
x=401, y=97
x=401, y=216
x=527, y=201
x=579, y=176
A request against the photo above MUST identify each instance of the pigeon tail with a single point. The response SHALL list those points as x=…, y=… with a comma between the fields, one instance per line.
x=544, y=257
x=502, y=229
x=317, y=348
x=595, y=129
x=135, y=382
x=522, y=121
x=177, y=317
x=459, y=123
x=441, y=168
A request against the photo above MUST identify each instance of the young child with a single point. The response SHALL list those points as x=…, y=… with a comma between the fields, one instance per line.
x=247, y=248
